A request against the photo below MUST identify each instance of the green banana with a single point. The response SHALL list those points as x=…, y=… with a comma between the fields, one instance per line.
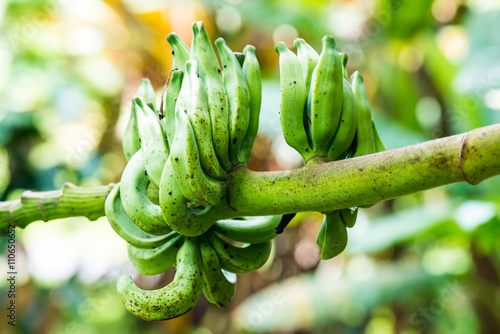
x=344, y=58
x=250, y=229
x=184, y=157
x=180, y=51
x=238, y=96
x=239, y=260
x=173, y=300
x=131, y=141
x=332, y=236
x=365, y=139
x=147, y=93
x=136, y=202
x=125, y=227
x=177, y=211
x=153, y=141
x=293, y=101
x=251, y=70
x=169, y=99
x=349, y=216
x=324, y=104
x=219, y=289
x=347, y=126
x=203, y=52
x=152, y=261
x=240, y=57
x=379, y=145
x=308, y=58
x=200, y=120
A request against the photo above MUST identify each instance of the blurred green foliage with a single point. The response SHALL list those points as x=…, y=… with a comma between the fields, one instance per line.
x=424, y=263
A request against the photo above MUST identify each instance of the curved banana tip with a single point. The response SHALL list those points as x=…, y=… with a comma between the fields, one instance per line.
x=299, y=42
x=344, y=58
x=249, y=49
x=219, y=42
x=329, y=42
x=197, y=27
x=172, y=38
x=356, y=76
x=280, y=47
x=191, y=66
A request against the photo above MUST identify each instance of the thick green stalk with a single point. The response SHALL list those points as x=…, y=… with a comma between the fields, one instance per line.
x=320, y=186
x=70, y=201
x=325, y=187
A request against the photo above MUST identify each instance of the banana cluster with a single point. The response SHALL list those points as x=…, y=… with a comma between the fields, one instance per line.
x=323, y=115
x=167, y=204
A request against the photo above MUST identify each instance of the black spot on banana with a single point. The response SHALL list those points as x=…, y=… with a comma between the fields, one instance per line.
x=293, y=101
x=219, y=286
x=195, y=185
x=251, y=70
x=203, y=52
x=324, y=104
x=239, y=260
x=180, y=51
x=175, y=299
x=125, y=227
x=332, y=236
x=152, y=261
x=200, y=120
x=238, y=96
x=169, y=102
x=153, y=140
x=250, y=229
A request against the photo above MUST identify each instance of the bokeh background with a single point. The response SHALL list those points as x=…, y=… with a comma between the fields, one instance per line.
x=423, y=263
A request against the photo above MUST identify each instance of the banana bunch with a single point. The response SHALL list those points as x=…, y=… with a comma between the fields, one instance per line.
x=323, y=115
x=172, y=193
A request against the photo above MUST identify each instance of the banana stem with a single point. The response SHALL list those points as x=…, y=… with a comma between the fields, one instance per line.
x=325, y=187
x=319, y=186
x=70, y=201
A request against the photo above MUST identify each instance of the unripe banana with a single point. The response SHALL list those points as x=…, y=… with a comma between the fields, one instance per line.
x=219, y=286
x=169, y=100
x=365, y=140
x=152, y=261
x=239, y=260
x=153, y=140
x=347, y=126
x=200, y=121
x=180, y=51
x=125, y=227
x=324, y=104
x=131, y=141
x=136, y=202
x=308, y=58
x=238, y=98
x=195, y=185
x=332, y=236
x=379, y=145
x=293, y=101
x=349, y=216
x=250, y=229
x=211, y=74
x=344, y=58
x=146, y=93
x=251, y=70
x=175, y=299
x=241, y=57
